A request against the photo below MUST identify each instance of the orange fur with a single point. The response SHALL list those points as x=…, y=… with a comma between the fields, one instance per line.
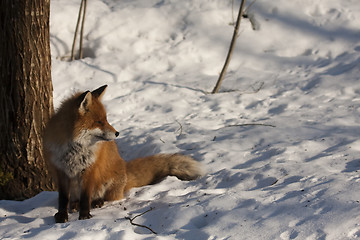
x=79, y=144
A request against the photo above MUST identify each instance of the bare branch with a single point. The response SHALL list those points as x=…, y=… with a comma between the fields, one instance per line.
x=139, y=225
x=251, y=124
x=247, y=9
x=232, y=45
x=82, y=31
x=76, y=31
x=247, y=125
x=180, y=128
x=83, y=11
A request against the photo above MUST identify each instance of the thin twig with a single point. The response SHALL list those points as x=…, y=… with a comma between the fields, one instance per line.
x=247, y=125
x=251, y=17
x=251, y=124
x=180, y=128
x=247, y=9
x=232, y=45
x=76, y=31
x=82, y=31
x=232, y=12
x=255, y=90
x=259, y=88
x=139, y=225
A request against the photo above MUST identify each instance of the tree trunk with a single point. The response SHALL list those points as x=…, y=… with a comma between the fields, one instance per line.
x=25, y=97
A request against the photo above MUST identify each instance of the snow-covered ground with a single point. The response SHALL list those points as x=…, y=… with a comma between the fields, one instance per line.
x=280, y=143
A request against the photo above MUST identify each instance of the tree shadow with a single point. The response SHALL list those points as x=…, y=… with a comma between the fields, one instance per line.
x=265, y=155
x=306, y=27
x=353, y=166
x=131, y=147
x=329, y=151
x=43, y=199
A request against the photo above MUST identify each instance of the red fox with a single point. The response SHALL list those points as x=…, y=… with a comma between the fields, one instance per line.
x=79, y=146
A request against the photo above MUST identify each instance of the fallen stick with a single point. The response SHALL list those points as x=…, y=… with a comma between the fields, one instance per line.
x=139, y=225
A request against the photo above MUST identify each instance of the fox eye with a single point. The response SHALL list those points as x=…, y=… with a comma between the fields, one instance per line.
x=100, y=122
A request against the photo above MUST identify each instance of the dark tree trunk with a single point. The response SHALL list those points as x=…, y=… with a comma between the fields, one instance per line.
x=25, y=96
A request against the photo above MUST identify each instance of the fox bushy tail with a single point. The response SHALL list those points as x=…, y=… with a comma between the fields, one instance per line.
x=153, y=169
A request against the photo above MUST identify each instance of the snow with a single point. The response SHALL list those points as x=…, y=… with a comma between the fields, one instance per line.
x=280, y=142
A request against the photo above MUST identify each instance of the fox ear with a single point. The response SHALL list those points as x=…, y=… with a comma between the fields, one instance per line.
x=85, y=99
x=98, y=93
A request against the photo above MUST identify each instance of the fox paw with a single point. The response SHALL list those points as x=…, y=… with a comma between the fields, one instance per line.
x=74, y=206
x=61, y=217
x=84, y=216
x=97, y=203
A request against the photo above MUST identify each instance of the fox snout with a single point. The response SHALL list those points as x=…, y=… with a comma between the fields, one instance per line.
x=91, y=136
x=107, y=135
x=105, y=132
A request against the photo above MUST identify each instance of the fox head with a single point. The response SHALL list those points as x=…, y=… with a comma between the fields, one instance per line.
x=91, y=125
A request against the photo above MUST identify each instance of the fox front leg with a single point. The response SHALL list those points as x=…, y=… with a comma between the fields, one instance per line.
x=85, y=203
x=64, y=198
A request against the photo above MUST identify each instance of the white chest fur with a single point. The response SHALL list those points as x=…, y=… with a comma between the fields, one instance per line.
x=73, y=157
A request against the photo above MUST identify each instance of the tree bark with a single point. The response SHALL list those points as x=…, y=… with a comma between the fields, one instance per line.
x=25, y=97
